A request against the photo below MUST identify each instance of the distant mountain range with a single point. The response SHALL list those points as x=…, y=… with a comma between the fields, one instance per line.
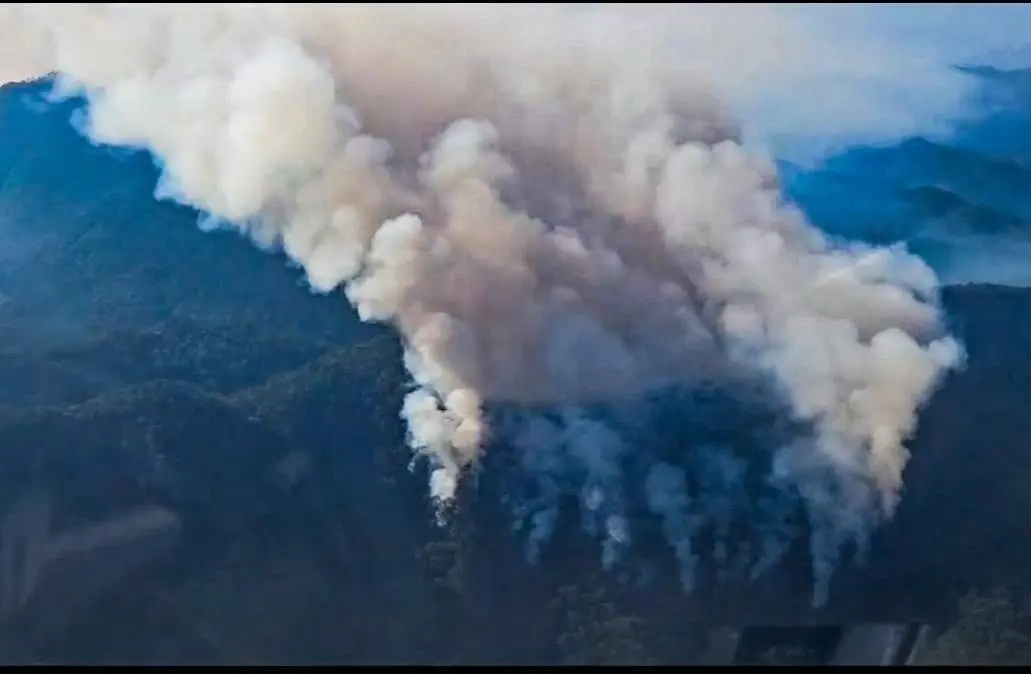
x=962, y=202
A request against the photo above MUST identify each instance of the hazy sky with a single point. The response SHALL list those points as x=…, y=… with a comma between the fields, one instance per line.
x=958, y=31
x=872, y=73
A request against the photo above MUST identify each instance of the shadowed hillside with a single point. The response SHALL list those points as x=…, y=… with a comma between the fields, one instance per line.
x=85, y=248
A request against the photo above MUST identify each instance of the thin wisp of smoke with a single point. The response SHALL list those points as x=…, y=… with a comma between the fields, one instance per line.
x=551, y=207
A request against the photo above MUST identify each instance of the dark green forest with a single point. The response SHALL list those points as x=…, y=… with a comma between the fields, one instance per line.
x=306, y=538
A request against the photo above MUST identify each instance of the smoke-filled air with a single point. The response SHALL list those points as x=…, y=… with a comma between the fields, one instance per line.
x=554, y=208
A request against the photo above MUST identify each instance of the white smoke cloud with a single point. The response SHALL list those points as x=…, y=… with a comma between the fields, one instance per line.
x=552, y=205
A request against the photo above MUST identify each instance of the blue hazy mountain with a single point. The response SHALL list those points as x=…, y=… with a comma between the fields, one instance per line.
x=963, y=202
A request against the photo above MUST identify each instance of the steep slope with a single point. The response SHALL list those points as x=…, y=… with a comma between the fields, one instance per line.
x=85, y=248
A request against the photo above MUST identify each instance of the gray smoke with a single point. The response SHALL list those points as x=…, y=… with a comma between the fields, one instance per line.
x=552, y=207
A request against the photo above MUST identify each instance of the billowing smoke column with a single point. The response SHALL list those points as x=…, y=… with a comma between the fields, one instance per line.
x=554, y=212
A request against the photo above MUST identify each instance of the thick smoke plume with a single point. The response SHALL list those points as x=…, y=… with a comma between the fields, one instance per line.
x=553, y=208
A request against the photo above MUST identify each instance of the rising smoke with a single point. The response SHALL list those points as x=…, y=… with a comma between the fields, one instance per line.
x=555, y=211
